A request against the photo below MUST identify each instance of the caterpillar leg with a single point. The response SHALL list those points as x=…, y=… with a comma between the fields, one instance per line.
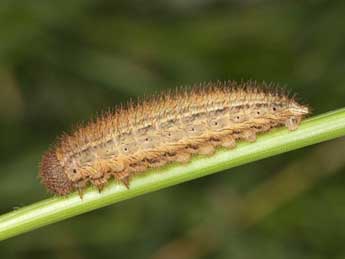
x=158, y=162
x=123, y=177
x=192, y=149
x=99, y=183
x=292, y=123
x=228, y=142
x=81, y=193
x=183, y=157
x=206, y=149
x=117, y=166
x=249, y=135
x=215, y=142
x=138, y=167
x=80, y=187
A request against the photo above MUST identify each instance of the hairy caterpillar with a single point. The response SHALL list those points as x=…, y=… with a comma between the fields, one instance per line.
x=166, y=128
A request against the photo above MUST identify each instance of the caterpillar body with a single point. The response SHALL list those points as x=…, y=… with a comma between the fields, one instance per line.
x=167, y=128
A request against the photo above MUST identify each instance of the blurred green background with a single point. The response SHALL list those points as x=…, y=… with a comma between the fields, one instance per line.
x=62, y=62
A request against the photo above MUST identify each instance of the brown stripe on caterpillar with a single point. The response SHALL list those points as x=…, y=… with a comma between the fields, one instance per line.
x=169, y=127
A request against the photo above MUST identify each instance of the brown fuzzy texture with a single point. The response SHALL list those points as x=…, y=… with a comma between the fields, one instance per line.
x=169, y=127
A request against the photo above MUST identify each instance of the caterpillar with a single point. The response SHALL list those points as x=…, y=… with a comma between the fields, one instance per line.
x=169, y=127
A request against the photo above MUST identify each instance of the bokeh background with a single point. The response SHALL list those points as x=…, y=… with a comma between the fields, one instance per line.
x=63, y=61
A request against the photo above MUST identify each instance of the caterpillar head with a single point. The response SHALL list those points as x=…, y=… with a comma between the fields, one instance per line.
x=53, y=176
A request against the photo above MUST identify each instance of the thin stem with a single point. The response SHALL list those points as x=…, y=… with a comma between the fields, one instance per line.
x=314, y=130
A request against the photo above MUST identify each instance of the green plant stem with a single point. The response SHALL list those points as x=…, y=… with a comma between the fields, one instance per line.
x=314, y=130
